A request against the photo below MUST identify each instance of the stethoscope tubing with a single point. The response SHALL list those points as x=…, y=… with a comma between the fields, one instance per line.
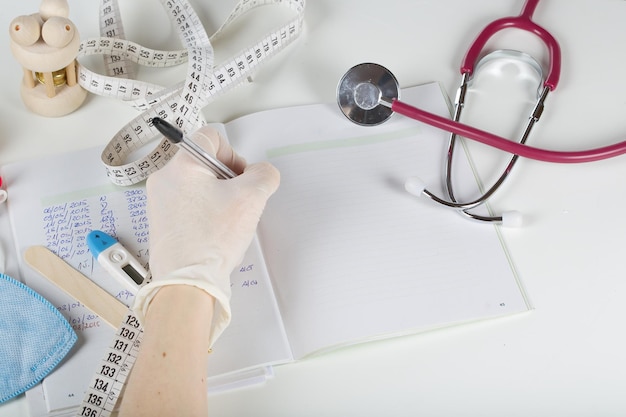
x=498, y=142
x=521, y=22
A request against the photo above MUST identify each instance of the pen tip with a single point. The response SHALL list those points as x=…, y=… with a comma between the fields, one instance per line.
x=167, y=130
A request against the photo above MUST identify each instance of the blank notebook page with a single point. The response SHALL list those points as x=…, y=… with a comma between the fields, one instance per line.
x=352, y=255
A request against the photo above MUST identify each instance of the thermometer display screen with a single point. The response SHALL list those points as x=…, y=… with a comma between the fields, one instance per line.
x=133, y=274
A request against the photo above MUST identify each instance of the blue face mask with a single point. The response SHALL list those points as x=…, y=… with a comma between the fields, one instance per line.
x=34, y=337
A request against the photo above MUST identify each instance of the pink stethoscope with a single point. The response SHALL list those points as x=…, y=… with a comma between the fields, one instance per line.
x=368, y=95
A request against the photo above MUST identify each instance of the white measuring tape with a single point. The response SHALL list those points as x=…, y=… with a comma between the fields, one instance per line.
x=181, y=105
x=111, y=27
x=107, y=384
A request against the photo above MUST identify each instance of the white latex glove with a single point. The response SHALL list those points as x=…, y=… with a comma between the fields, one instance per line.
x=201, y=226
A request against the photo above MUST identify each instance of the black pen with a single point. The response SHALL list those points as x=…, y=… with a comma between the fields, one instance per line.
x=176, y=136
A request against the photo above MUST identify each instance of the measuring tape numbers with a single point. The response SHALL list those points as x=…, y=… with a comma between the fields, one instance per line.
x=181, y=105
x=111, y=27
x=111, y=373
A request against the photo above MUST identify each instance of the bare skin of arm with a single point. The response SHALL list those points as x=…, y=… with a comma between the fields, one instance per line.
x=169, y=377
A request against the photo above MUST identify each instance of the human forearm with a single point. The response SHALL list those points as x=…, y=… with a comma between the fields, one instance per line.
x=169, y=377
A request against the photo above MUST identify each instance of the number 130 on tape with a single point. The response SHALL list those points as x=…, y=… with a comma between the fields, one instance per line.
x=106, y=386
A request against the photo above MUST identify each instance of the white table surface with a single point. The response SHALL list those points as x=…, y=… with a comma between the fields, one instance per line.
x=568, y=356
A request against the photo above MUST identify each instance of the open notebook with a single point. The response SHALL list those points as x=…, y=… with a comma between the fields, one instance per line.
x=343, y=254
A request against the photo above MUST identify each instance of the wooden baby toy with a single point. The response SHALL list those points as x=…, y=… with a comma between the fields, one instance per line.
x=46, y=45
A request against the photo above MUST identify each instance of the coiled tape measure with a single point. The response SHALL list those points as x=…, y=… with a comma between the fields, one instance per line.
x=181, y=105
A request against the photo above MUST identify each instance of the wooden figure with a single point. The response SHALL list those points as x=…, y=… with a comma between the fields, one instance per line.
x=46, y=45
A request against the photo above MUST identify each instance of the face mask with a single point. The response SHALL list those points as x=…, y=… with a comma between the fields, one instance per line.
x=34, y=337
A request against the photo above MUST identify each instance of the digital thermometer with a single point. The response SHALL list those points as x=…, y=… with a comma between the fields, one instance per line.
x=117, y=261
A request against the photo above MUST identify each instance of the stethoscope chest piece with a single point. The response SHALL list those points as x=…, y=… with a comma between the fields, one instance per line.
x=363, y=89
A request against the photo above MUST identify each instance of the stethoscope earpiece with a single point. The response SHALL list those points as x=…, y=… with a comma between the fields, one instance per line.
x=512, y=219
x=414, y=186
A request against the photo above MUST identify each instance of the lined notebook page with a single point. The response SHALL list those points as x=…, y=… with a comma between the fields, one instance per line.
x=351, y=254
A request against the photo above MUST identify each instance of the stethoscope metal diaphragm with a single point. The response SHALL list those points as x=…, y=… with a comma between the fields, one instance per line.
x=362, y=91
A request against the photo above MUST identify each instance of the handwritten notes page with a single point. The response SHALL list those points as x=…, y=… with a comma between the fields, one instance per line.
x=56, y=202
x=351, y=254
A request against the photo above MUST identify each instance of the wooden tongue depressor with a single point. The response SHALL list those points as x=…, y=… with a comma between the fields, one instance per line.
x=75, y=284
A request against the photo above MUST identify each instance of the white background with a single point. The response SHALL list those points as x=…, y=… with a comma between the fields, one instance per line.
x=567, y=357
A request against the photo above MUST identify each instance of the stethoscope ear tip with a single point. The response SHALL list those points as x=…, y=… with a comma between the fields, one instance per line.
x=512, y=219
x=414, y=186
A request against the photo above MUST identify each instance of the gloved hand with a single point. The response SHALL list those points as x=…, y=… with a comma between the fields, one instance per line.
x=201, y=226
